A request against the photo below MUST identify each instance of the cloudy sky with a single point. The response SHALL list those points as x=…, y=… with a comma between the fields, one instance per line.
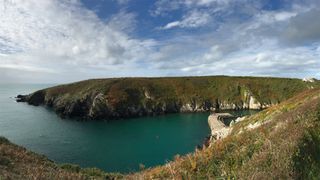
x=57, y=41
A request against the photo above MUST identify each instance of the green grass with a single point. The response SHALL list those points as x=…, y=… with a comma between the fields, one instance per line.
x=123, y=93
x=222, y=87
x=307, y=156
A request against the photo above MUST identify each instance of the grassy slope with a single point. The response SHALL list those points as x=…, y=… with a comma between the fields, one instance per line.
x=18, y=163
x=286, y=146
x=221, y=87
x=121, y=94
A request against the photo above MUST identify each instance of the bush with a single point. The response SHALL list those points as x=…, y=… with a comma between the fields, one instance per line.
x=307, y=157
x=71, y=167
x=4, y=140
x=318, y=113
x=93, y=172
x=4, y=161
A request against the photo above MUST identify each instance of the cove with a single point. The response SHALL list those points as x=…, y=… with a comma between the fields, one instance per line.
x=114, y=146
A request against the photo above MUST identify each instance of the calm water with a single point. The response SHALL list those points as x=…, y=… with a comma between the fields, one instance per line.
x=113, y=146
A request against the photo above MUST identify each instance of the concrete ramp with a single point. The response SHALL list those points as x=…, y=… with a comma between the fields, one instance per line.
x=218, y=128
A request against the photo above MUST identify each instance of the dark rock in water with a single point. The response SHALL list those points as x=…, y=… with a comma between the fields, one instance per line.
x=22, y=98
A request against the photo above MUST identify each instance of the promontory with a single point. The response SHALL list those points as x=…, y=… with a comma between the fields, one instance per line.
x=116, y=98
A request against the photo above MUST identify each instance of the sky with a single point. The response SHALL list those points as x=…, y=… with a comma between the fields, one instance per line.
x=59, y=41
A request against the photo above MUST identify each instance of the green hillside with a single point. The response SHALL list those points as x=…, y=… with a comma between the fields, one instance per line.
x=130, y=97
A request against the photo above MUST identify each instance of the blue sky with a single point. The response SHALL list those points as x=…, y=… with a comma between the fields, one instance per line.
x=57, y=41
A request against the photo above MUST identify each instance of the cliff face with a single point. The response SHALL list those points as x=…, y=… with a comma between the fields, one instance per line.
x=132, y=97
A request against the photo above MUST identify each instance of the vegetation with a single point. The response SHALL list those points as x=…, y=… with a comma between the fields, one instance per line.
x=221, y=87
x=18, y=163
x=307, y=156
x=286, y=145
x=281, y=142
x=127, y=97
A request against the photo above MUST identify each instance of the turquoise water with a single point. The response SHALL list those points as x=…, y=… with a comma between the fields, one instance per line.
x=119, y=145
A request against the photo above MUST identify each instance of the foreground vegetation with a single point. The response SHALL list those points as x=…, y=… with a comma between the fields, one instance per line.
x=281, y=142
x=18, y=163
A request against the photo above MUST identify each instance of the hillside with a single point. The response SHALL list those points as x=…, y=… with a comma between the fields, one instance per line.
x=281, y=142
x=18, y=163
x=131, y=97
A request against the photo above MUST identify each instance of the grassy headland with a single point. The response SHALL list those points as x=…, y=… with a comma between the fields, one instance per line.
x=130, y=97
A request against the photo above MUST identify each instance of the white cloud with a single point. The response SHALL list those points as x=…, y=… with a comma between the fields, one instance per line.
x=61, y=40
x=123, y=21
x=60, y=33
x=291, y=62
x=253, y=46
x=192, y=20
x=205, y=2
x=162, y=7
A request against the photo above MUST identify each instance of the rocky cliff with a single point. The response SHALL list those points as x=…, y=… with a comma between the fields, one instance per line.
x=132, y=97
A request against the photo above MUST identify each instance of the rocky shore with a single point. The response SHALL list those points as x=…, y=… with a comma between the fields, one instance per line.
x=97, y=106
x=134, y=97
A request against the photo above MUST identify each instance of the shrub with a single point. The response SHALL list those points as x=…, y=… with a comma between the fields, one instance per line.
x=4, y=161
x=93, y=172
x=318, y=113
x=71, y=167
x=4, y=140
x=307, y=157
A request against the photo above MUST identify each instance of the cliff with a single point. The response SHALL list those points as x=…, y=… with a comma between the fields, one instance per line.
x=280, y=142
x=131, y=97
